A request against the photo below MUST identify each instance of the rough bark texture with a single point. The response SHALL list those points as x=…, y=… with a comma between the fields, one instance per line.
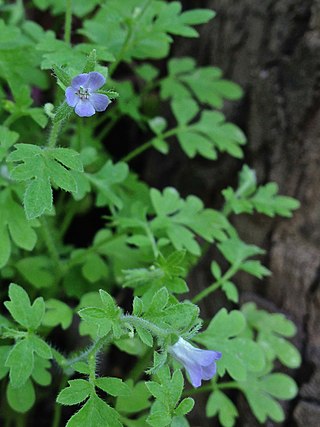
x=272, y=48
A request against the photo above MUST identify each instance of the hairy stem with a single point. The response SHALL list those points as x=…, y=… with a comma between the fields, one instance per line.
x=68, y=22
x=154, y=329
x=54, y=133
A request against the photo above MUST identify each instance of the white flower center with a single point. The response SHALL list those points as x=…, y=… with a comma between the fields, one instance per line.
x=83, y=93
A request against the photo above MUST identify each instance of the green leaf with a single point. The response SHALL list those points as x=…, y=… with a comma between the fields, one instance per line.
x=76, y=392
x=19, y=306
x=95, y=413
x=57, y=313
x=21, y=399
x=62, y=74
x=29, y=316
x=4, y=351
x=260, y=393
x=236, y=251
x=81, y=367
x=14, y=227
x=145, y=336
x=280, y=386
x=137, y=306
x=226, y=137
x=181, y=219
x=41, y=347
x=139, y=399
x=41, y=169
x=271, y=328
x=98, y=317
x=255, y=268
x=91, y=62
x=185, y=406
x=109, y=305
x=184, y=110
x=197, y=16
x=20, y=372
x=240, y=355
x=37, y=270
x=37, y=198
x=159, y=301
x=41, y=371
x=113, y=386
x=147, y=72
x=107, y=183
x=231, y=291
x=7, y=139
x=179, y=422
x=94, y=268
x=157, y=124
x=267, y=201
x=219, y=403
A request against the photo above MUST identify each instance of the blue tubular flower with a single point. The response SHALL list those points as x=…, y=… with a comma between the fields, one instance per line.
x=200, y=364
x=81, y=94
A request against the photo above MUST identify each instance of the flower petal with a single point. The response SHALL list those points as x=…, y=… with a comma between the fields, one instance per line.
x=205, y=357
x=71, y=96
x=209, y=371
x=84, y=108
x=95, y=81
x=99, y=101
x=79, y=80
x=195, y=374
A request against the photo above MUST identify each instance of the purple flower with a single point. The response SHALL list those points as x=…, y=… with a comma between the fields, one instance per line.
x=200, y=364
x=82, y=94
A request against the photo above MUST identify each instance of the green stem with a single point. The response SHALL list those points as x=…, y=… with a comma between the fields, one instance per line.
x=106, y=129
x=122, y=52
x=141, y=365
x=54, y=133
x=68, y=217
x=11, y=119
x=149, y=144
x=68, y=22
x=230, y=384
x=127, y=40
x=154, y=329
x=154, y=246
x=50, y=243
x=193, y=391
x=58, y=407
x=210, y=387
x=216, y=285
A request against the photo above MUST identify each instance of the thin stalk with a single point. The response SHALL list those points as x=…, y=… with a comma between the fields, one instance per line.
x=106, y=129
x=57, y=408
x=126, y=43
x=216, y=285
x=54, y=133
x=50, y=243
x=154, y=246
x=141, y=365
x=199, y=390
x=138, y=321
x=149, y=144
x=210, y=387
x=68, y=22
x=11, y=119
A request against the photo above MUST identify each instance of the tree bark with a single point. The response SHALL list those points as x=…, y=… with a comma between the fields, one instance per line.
x=272, y=49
